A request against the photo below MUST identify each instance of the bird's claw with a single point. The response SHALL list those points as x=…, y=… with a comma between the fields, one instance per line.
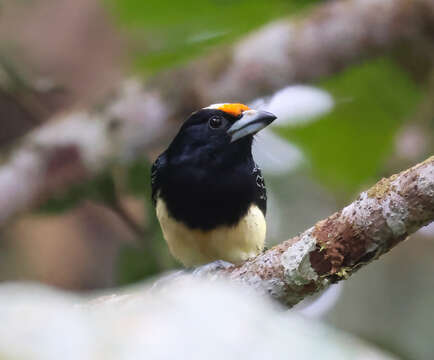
x=211, y=267
x=168, y=278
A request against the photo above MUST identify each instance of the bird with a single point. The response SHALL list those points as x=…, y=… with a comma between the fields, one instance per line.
x=209, y=194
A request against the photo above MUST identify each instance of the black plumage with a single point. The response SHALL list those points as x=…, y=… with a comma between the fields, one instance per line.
x=205, y=180
x=209, y=194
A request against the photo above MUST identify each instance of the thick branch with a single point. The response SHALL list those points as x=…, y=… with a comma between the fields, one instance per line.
x=334, y=248
x=79, y=145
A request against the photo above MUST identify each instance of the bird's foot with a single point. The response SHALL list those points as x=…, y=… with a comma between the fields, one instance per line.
x=168, y=278
x=211, y=267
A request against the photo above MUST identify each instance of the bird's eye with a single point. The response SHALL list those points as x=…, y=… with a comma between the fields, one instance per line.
x=215, y=122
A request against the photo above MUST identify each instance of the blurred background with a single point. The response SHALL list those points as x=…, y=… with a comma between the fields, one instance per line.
x=341, y=128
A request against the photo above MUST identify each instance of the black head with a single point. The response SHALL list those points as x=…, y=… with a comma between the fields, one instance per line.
x=219, y=134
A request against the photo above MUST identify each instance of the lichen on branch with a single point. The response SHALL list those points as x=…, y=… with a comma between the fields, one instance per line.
x=336, y=247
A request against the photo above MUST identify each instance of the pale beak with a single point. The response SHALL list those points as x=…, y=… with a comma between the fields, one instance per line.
x=250, y=123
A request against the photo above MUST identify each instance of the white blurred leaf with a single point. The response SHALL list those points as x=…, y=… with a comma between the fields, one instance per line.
x=275, y=155
x=427, y=231
x=318, y=306
x=297, y=104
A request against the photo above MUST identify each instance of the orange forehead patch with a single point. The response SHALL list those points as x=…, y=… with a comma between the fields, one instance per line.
x=233, y=109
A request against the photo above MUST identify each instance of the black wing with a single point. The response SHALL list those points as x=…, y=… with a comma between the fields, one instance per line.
x=261, y=194
x=155, y=179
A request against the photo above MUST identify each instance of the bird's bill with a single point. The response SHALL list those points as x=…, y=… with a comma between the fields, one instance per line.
x=250, y=123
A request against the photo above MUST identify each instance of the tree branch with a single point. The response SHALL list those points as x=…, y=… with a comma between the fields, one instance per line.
x=330, y=38
x=77, y=146
x=336, y=247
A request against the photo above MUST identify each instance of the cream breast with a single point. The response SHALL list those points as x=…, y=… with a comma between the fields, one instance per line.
x=234, y=244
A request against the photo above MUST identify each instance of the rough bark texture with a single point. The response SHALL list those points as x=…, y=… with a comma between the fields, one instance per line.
x=336, y=247
x=79, y=145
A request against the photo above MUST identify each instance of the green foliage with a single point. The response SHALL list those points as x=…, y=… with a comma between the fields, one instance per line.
x=100, y=189
x=347, y=146
x=135, y=263
x=138, y=180
x=152, y=256
x=165, y=33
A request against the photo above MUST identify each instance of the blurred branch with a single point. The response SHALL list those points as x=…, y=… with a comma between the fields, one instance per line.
x=333, y=36
x=136, y=229
x=21, y=91
x=336, y=247
x=77, y=146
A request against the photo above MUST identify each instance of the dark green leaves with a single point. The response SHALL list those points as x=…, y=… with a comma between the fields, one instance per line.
x=163, y=33
x=347, y=146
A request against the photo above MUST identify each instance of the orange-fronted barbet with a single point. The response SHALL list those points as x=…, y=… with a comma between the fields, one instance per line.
x=209, y=194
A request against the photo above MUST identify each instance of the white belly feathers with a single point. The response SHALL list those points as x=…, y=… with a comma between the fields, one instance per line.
x=230, y=243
